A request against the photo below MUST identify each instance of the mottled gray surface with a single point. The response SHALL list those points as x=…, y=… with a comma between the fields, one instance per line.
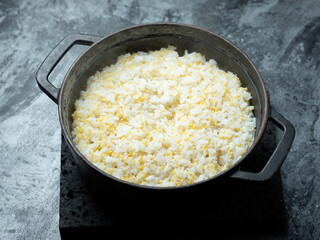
x=282, y=38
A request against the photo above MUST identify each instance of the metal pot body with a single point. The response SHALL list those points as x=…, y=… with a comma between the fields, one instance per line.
x=104, y=51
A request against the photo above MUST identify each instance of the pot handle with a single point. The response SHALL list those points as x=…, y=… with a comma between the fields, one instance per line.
x=54, y=58
x=279, y=154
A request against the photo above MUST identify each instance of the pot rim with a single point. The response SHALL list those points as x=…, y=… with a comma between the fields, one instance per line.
x=232, y=168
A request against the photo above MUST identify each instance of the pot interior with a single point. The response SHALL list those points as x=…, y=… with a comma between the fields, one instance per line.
x=154, y=37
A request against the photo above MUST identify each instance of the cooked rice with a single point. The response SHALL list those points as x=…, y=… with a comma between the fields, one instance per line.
x=161, y=119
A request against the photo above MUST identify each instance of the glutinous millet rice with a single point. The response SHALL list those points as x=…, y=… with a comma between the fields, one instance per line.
x=161, y=119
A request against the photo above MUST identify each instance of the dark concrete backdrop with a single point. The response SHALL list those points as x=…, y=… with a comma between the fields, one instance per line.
x=282, y=38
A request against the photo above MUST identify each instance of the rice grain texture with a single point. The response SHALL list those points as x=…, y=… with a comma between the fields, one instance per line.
x=161, y=119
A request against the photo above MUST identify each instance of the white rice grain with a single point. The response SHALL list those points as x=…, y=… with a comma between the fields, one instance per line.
x=161, y=119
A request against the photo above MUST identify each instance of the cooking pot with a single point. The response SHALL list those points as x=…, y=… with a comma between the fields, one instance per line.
x=104, y=51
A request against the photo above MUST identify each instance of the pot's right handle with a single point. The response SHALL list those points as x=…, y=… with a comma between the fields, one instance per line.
x=279, y=154
x=54, y=58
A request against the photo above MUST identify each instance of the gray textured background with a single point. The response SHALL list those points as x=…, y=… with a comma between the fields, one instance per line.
x=282, y=38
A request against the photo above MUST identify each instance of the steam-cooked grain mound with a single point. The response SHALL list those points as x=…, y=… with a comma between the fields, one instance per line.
x=159, y=119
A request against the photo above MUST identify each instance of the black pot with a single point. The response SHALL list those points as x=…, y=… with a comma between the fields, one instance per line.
x=105, y=50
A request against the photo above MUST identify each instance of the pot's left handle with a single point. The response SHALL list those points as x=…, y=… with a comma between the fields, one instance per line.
x=54, y=58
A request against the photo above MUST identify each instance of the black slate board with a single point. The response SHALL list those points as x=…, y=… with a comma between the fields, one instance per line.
x=235, y=208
